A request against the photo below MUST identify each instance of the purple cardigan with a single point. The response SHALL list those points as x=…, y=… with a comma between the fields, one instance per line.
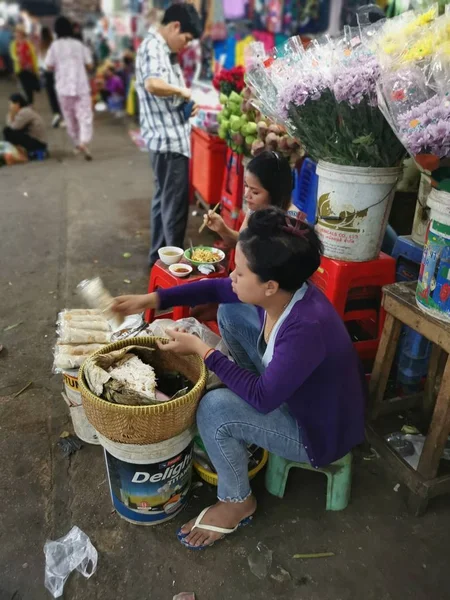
x=314, y=370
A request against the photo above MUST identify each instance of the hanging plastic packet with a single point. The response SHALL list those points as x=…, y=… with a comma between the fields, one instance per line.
x=96, y=295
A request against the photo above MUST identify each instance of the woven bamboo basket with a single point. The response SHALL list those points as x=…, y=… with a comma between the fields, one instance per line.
x=147, y=424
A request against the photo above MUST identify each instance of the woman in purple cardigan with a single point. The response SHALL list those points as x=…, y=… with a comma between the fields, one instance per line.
x=294, y=387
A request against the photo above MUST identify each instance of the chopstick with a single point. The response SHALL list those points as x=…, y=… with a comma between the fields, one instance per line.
x=213, y=211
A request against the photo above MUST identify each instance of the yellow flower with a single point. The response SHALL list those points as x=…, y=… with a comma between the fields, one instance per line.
x=421, y=20
x=422, y=48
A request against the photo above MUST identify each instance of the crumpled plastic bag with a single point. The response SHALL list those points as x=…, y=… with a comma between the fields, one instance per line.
x=73, y=551
x=191, y=325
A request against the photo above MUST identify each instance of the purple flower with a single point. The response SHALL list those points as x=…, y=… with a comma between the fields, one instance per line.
x=309, y=86
x=357, y=81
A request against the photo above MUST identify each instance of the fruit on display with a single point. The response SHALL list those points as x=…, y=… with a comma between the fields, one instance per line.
x=248, y=132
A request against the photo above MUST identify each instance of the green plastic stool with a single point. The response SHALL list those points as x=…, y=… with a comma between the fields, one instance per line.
x=339, y=476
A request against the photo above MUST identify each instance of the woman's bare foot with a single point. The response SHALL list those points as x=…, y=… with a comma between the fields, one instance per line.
x=223, y=514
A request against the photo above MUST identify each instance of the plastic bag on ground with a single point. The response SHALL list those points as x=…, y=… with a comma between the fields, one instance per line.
x=72, y=551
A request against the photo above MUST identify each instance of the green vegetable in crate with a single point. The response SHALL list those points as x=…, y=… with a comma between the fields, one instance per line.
x=234, y=97
x=251, y=128
x=223, y=98
x=235, y=123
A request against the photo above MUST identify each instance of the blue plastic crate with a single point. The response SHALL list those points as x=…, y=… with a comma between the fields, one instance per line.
x=304, y=195
x=408, y=255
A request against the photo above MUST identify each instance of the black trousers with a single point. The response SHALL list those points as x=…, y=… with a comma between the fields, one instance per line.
x=51, y=92
x=170, y=204
x=29, y=83
x=21, y=138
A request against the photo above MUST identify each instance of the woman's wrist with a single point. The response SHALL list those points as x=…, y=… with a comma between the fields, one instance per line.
x=203, y=350
x=152, y=301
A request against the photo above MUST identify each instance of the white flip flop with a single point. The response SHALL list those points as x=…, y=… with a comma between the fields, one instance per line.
x=199, y=525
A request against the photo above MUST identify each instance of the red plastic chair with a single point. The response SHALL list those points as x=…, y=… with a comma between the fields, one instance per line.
x=162, y=278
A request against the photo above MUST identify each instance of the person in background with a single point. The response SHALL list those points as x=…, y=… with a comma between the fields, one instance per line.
x=25, y=62
x=190, y=61
x=114, y=90
x=69, y=59
x=127, y=70
x=49, y=77
x=103, y=50
x=6, y=38
x=24, y=126
x=165, y=124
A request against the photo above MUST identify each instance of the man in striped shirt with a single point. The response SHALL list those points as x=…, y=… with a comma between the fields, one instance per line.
x=165, y=123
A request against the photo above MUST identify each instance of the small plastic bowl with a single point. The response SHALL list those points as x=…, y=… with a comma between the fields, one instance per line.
x=170, y=254
x=180, y=270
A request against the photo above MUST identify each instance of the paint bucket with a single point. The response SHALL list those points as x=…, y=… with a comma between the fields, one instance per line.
x=71, y=394
x=353, y=209
x=149, y=484
x=433, y=287
x=422, y=212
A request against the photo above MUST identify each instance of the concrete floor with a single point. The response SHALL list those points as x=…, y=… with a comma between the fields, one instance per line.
x=64, y=220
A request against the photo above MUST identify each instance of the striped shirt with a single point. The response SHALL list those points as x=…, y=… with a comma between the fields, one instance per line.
x=163, y=125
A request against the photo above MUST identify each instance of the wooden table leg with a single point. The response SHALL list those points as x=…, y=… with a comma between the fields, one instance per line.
x=383, y=363
x=439, y=430
x=417, y=505
x=429, y=393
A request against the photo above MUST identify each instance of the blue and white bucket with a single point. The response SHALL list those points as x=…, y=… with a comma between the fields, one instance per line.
x=433, y=287
x=149, y=484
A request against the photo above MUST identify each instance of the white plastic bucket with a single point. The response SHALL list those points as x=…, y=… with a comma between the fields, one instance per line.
x=353, y=205
x=149, y=484
x=433, y=287
x=422, y=213
x=71, y=394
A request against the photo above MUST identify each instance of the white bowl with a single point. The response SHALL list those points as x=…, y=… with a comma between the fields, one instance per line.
x=174, y=257
x=176, y=270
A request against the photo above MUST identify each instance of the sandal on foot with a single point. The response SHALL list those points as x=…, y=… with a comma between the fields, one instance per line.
x=198, y=525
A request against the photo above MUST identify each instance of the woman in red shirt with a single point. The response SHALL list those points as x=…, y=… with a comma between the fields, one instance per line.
x=25, y=62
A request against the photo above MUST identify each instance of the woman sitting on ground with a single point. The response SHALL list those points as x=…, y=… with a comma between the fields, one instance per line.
x=295, y=387
x=24, y=126
x=268, y=181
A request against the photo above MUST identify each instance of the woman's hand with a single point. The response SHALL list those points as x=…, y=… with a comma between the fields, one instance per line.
x=183, y=343
x=131, y=305
x=214, y=222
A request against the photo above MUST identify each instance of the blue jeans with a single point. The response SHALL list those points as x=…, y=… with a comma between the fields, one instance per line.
x=227, y=424
x=240, y=326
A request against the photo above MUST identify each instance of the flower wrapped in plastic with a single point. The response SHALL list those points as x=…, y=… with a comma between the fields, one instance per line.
x=414, y=97
x=333, y=106
x=401, y=35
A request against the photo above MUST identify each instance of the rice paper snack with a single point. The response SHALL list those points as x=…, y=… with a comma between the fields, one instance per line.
x=123, y=376
x=70, y=333
x=70, y=356
x=95, y=321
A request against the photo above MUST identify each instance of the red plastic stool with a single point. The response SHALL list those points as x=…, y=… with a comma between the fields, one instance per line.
x=162, y=278
x=354, y=289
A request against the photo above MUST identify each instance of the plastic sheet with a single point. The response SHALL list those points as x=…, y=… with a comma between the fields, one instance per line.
x=73, y=551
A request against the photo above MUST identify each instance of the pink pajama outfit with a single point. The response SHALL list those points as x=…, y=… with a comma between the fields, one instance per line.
x=69, y=58
x=77, y=113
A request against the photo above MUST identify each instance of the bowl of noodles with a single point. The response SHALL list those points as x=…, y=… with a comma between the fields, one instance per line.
x=204, y=255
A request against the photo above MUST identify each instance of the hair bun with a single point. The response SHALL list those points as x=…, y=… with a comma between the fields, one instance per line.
x=267, y=222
